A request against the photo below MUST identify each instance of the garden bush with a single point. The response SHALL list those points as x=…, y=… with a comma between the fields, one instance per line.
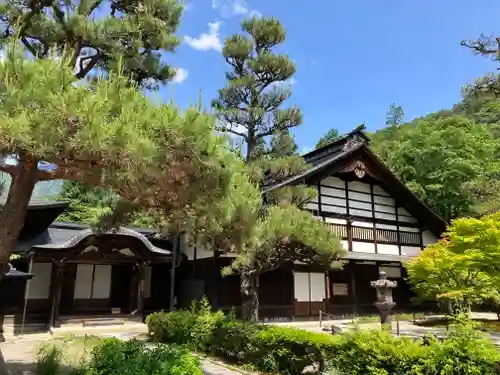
x=267, y=348
x=116, y=357
x=290, y=351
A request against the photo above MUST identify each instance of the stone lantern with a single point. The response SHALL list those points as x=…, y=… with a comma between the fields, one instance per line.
x=384, y=302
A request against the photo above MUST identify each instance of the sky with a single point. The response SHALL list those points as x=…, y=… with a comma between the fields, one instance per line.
x=354, y=58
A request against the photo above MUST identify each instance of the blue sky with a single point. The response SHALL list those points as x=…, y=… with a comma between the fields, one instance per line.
x=354, y=58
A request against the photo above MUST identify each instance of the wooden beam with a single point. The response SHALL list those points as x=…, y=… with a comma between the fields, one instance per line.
x=349, y=226
x=396, y=206
x=372, y=197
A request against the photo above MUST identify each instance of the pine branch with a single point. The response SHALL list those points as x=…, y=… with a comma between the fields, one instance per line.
x=83, y=71
x=223, y=130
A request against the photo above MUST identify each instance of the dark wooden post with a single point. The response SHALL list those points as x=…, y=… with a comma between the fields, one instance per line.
x=55, y=293
x=140, y=287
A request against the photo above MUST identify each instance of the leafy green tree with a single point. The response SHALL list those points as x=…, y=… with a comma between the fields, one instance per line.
x=395, y=115
x=89, y=39
x=443, y=160
x=328, y=138
x=461, y=268
x=250, y=107
x=89, y=205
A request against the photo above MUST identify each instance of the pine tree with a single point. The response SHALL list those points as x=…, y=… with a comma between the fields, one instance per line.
x=328, y=138
x=395, y=115
x=251, y=107
x=111, y=137
x=90, y=39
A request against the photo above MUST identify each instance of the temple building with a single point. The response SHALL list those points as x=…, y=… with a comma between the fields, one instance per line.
x=380, y=222
x=130, y=272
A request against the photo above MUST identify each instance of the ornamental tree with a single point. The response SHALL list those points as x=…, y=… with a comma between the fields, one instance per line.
x=89, y=39
x=251, y=108
x=105, y=135
x=462, y=268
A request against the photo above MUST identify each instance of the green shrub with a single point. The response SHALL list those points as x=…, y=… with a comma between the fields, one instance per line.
x=236, y=341
x=464, y=351
x=115, y=357
x=290, y=351
x=272, y=349
x=48, y=360
x=377, y=353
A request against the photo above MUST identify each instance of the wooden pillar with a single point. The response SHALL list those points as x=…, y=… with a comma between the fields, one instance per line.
x=352, y=281
x=141, y=270
x=372, y=197
x=56, y=284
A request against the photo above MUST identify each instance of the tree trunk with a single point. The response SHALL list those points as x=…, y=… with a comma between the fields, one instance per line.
x=14, y=211
x=250, y=297
x=12, y=218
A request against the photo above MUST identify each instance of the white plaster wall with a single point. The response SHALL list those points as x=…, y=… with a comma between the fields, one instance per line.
x=386, y=216
x=356, y=212
x=360, y=186
x=102, y=281
x=409, y=229
x=345, y=244
x=363, y=247
x=336, y=201
x=333, y=192
x=39, y=285
x=301, y=286
x=311, y=206
x=365, y=197
x=338, y=210
x=383, y=248
x=83, y=283
x=428, y=238
x=386, y=226
x=378, y=190
x=411, y=251
x=362, y=224
x=361, y=205
x=383, y=200
x=335, y=220
x=333, y=181
x=318, y=293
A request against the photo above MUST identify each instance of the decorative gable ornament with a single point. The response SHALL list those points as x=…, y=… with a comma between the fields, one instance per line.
x=358, y=167
x=350, y=144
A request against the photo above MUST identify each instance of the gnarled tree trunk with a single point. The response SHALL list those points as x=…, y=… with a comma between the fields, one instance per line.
x=24, y=178
x=250, y=297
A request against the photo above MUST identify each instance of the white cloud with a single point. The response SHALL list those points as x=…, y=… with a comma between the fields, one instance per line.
x=229, y=8
x=292, y=81
x=207, y=41
x=180, y=75
x=255, y=13
x=188, y=6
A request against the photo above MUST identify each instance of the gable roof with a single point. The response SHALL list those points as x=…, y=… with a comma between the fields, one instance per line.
x=345, y=151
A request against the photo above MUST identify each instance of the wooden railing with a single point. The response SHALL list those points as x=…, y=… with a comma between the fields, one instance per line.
x=382, y=235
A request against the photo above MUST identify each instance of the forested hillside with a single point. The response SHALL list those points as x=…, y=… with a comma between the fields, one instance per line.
x=450, y=158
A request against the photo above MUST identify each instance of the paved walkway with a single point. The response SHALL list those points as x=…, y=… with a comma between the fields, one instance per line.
x=20, y=354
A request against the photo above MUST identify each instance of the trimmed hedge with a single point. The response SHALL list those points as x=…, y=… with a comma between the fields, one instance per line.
x=267, y=348
x=290, y=351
